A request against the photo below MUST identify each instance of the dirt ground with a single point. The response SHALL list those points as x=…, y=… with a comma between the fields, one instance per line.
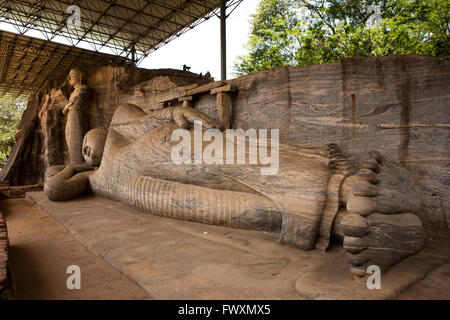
x=41, y=250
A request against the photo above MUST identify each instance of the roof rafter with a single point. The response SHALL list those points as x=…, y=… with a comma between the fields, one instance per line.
x=29, y=62
x=109, y=24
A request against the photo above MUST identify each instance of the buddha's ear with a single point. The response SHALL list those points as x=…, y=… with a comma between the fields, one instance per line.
x=81, y=76
x=87, y=151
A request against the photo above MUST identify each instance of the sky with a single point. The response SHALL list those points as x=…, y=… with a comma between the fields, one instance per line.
x=199, y=48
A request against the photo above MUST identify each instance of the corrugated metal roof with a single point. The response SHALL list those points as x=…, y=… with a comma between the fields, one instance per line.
x=26, y=63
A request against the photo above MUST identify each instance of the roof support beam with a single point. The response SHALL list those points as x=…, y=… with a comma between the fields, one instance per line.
x=28, y=62
x=223, y=39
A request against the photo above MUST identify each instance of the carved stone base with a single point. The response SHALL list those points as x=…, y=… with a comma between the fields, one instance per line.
x=332, y=281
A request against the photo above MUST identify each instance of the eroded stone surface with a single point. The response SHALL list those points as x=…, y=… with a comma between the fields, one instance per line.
x=136, y=168
x=398, y=105
x=41, y=139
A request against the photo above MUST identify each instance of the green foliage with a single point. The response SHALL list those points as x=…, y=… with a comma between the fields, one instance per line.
x=11, y=111
x=271, y=43
x=305, y=32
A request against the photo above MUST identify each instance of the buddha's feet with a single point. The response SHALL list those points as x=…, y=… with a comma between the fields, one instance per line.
x=381, y=227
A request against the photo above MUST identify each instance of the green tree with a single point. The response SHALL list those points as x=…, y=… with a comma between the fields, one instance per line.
x=11, y=111
x=272, y=42
x=305, y=32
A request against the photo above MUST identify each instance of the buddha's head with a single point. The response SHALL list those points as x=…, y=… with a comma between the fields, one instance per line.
x=75, y=77
x=93, y=145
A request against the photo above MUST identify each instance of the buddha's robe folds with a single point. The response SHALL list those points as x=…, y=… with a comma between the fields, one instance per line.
x=300, y=201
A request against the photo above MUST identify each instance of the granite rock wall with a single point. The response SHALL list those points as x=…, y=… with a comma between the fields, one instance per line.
x=41, y=138
x=398, y=105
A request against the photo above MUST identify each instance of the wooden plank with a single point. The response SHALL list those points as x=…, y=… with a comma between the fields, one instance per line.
x=170, y=99
x=192, y=90
x=186, y=98
x=158, y=106
x=192, y=86
x=226, y=88
x=223, y=101
x=204, y=88
x=188, y=103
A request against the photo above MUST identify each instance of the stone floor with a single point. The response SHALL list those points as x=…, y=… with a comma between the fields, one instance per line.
x=173, y=259
x=40, y=252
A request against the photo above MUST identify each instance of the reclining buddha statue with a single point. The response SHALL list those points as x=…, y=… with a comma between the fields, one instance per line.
x=369, y=206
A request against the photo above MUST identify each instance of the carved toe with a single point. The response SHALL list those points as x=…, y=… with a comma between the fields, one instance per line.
x=360, y=272
x=371, y=164
x=364, y=189
x=355, y=225
x=367, y=175
x=389, y=240
x=361, y=205
x=357, y=259
x=354, y=244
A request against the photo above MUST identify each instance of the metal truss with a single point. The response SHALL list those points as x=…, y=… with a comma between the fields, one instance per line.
x=127, y=28
x=27, y=63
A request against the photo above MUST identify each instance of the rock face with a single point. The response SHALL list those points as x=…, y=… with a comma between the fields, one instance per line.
x=41, y=139
x=398, y=105
x=133, y=162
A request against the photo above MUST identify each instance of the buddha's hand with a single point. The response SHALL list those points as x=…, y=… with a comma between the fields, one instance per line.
x=185, y=116
x=77, y=168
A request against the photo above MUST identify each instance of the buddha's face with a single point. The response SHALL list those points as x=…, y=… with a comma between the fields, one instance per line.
x=75, y=77
x=93, y=145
